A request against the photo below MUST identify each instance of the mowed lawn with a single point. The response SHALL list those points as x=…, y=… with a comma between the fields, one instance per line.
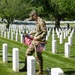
x=50, y=60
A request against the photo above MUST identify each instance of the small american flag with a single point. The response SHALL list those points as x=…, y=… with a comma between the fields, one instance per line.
x=40, y=47
x=28, y=40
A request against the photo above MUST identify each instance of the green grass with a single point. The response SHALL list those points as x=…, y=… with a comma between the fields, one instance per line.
x=50, y=60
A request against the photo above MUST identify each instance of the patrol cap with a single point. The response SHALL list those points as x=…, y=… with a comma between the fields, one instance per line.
x=32, y=13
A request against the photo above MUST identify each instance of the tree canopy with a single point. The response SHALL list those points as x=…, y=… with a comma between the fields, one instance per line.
x=49, y=9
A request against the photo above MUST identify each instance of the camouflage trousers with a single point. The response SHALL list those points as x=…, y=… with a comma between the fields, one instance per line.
x=31, y=50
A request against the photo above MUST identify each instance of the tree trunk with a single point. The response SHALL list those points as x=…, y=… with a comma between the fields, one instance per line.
x=57, y=21
x=8, y=23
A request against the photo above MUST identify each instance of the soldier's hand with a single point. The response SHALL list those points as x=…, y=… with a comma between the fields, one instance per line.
x=36, y=38
x=30, y=32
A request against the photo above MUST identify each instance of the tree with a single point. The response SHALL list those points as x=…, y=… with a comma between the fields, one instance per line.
x=62, y=9
x=59, y=9
x=13, y=9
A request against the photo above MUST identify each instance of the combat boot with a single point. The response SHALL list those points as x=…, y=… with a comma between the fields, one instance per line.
x=40, y=63
x=39, y=72
x=25, y=66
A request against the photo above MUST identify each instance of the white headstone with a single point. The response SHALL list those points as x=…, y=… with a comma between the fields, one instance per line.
x=59, y=30
x=30, y=65
x=64, y=35
x=12, y=35
x=58, y=34
x=57, y=71
x=53, y=36
x=1, y=33
x=53, y=31
x=16, y=59
x=47, y=37
x=21, y=38
x=4, y=34
x=49, y=32
x=8, y=35
x=70, y=40
x=71, y=35
x=5, y=53
x=16, y=36
x=67, y=50
x=19, y=32
x=61, y=39
x=53, y=46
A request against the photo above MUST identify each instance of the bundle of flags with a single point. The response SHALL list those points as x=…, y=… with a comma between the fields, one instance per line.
x=40, y=47
x=28, y=40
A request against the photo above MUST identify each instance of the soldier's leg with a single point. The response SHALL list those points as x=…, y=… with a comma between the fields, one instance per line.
x=40, y=63
x=29, y=52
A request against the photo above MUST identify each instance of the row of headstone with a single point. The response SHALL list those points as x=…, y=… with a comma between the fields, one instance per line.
x=12, y=36
x=17, y=28
x=15, y=55
x=62, y=34
x=48, y=33
x=30, y=62
x=66, y=46
x=15, y=60
x=20, y=28
x=53, y=37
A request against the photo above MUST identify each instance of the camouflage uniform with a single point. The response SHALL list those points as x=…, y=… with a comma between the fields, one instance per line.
x=40, y=32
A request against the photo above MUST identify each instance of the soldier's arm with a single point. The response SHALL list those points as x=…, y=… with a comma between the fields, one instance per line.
x=32, y=32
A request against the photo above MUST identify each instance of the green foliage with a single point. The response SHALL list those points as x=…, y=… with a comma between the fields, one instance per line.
x=49, y=9
x=14, y=9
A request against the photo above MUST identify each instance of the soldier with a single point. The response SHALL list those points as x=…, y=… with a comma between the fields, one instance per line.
x=39, y=37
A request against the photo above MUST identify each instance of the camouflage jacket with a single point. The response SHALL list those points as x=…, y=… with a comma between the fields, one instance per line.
x=40, y=30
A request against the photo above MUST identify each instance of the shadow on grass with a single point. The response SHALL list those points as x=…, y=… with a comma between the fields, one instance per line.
x=60, y=52
x=72, y=56
x=0, y=48
x=0, y=51
x=70, y=72
x=0, y=55
x=9, y=55
x=21, y=61
x=9, y=61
